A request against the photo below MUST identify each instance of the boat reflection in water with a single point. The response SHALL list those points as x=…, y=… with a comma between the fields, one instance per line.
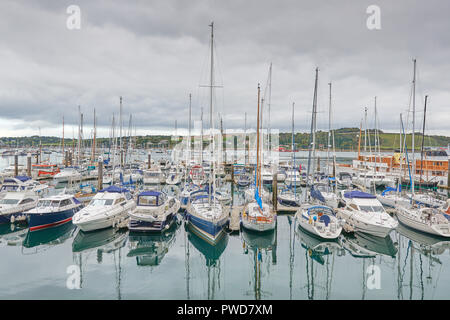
x=263, y=249
x=12, y=234
x=432, y=244
x=363, y=245
x=419, y=264
x=211, y=253
x=319, y=263
x=102, y=241
x=150, y=248
x=42, y=239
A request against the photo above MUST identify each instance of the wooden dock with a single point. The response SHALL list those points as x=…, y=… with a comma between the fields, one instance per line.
x=235, y=218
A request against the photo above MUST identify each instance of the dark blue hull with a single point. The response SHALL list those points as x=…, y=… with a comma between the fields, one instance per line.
x=38, y=221
x=146, y=226
x=209, y=229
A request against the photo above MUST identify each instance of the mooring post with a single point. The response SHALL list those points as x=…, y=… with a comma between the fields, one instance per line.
x=149, y=160
x=275, y=192
x=29, y=165
x=100, y=173
x=16, y=164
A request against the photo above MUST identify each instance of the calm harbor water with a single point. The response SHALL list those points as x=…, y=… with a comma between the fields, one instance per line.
x=285, y=264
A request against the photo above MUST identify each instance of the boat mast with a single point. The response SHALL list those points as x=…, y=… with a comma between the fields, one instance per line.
x=258, y=178
x=95, y=136
x=423, y=138
x=211, y=126
x=269, y=138
x=63, y=153
x=329, y=130
x=190, y=132
x=311, y=146
x=413, y=128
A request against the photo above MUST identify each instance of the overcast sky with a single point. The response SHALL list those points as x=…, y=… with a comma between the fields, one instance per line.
x=154, y=53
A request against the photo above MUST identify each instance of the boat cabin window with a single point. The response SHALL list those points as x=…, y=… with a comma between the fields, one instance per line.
x=101, y=202
x=48, y=203
x=148, y=200
x=121, y=199
x=9, y=188
x=66, y=202
x=25, y=201
x=9, y=201
x=372, y=208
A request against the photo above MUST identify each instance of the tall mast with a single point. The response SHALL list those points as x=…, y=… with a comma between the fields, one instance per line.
x=63, y=153
x=292, y=138
x=312, y=134
x=269, y=139
x=79, y=135
x=190, y=133
x=413, y=128
x=258, y=175
x=329, y=130
x=120, y=139
x=95, y=136
x=211, y=126
x=423, y=139
x=245, y=138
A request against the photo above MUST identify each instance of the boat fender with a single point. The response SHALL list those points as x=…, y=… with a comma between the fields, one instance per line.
x=12, y=219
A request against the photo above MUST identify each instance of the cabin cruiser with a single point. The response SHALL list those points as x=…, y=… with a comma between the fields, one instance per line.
x=14, y=204
x=107, y=209
x=369, y=179
x=67, y=174
x=155, y=211
x=207, y=216
x=10, y=171
x=424, y=219
x=364, y=213
x=320, y=221
x=52, y=211
x=21, y=183
x=153, y=176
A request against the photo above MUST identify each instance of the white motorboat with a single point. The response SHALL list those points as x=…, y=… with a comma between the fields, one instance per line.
x=155, y=211
x=67, y=174
x=364, y=213
x=14, y=205
x=108, y=208
x=153, y=176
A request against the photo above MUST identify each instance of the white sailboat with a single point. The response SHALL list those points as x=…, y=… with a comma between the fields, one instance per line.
x=257, y=214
